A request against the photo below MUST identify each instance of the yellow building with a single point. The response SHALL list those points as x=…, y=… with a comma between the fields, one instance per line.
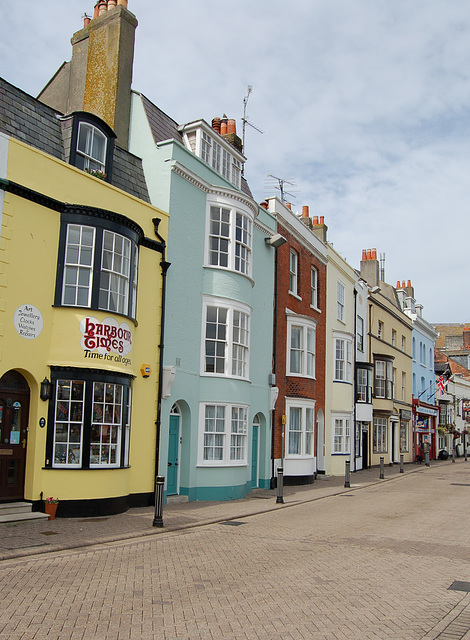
x=82, y=270
x=390, y=344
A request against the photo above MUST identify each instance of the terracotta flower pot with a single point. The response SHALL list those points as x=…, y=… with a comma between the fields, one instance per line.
x=50, y=508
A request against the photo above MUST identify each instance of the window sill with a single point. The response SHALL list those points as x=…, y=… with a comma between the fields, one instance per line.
x=221, y=465
x=315, y=309
x=343, y=381
x=67, y=468
x=295, y=295
x=337, y=453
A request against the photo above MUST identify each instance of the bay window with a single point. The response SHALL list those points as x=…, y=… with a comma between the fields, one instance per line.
x=300, y=427
x=226, y=339
x=97, y=262
x=89, y=419
x=230, y=239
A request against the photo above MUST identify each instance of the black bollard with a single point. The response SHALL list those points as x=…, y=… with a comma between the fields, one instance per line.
x=382, y=473
x=158, y=519
x=347, y=474
x=280, y=485
x=402, y=468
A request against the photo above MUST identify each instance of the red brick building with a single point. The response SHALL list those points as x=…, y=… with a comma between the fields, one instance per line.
x=299, y=343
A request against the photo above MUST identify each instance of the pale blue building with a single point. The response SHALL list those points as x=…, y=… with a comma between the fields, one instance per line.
x=218, y=391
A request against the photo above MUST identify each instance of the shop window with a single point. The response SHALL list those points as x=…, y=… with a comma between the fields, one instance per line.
x=89, y=419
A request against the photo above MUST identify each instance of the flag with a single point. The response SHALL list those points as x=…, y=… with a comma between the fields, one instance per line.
x=441, y=385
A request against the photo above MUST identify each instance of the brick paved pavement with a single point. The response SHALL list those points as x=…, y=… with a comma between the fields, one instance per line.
x=372, y=562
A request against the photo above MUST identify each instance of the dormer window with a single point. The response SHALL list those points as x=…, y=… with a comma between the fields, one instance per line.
x=91, y=148
x=92, y=145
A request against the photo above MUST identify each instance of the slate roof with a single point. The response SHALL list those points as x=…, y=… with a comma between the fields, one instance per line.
x=29, y=120
x=163, y=128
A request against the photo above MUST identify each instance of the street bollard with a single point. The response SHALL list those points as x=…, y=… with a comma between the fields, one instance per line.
x=158, y=519
x=280, y=485
x=347, y=474
x=402, y=468
x=426, y=458
x=382, y=473
x=465, y=445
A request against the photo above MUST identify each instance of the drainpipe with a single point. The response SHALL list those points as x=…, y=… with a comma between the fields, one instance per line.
x=164, y=265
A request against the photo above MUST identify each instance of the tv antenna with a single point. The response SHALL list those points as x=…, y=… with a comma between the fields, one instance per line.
x=280, y=185
x=245, y=120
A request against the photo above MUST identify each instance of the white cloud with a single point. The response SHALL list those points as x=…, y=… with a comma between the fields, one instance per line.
x=364, y=105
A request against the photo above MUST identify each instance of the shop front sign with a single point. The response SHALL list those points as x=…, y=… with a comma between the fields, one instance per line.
x=28, y=321
x=106, y=340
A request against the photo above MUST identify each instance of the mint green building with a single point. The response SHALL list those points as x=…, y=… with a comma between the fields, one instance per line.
x=217, y=383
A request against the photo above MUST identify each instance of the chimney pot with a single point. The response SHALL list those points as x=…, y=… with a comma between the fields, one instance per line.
x=368, y=254
x=322, y=219
x=288, y=206
x=123, y=3
x=315, y=220
x=97, y=9
x=111, y=4
x=86, y=21
x=364, y=255
x=223, y=126
x=264, y=204
x=374, y=254
x=305, y=211
x=398, y=284
x=216, y=124
x=231, y=126
x=102, y=7
x=409, y=283
x=402, y=284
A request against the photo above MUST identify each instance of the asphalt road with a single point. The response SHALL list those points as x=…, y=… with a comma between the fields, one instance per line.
x=385, y=561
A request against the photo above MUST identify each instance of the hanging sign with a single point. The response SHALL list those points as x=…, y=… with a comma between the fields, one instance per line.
x=28, y=321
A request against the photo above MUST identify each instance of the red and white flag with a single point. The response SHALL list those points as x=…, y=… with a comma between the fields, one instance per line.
x=441, y=385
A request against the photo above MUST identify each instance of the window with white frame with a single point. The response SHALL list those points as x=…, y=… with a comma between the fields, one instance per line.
x=314, y=288
x=224, y=429
x=91, y=148
x=90, y=427
x=343, y=358
x=301, y=347
x=394, y=338
x=342, y=434
x=226, y=339
x=358, y=440
x=300, y=428
x=340, y=299
x=293, y=272
x=363, y=383
x=403, y=385
x=380, y=435
x=383, y=379
x=220, y=159
x=97, y=267
x=230, y=239
x=403, y=343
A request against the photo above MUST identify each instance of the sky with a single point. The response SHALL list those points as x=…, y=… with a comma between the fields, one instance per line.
x=364, y=108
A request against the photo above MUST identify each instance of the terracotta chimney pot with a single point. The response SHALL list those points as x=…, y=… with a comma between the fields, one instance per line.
x=322, y=219
x=288, y=206
x=97, y=9
x=86, y=21
x=111, y=4
x=315, y=220
x=402, y=284
x=398, y=284
x=374, y=254
x=102, y=7
x=231, y=126
x=364, y=255
x=123, y=3
x=368, y=254
x=216, y=124
x=409, y=283
x=223, y=127
x=305, y=211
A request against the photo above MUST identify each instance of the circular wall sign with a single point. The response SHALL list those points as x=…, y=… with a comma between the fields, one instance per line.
x=28, y=321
